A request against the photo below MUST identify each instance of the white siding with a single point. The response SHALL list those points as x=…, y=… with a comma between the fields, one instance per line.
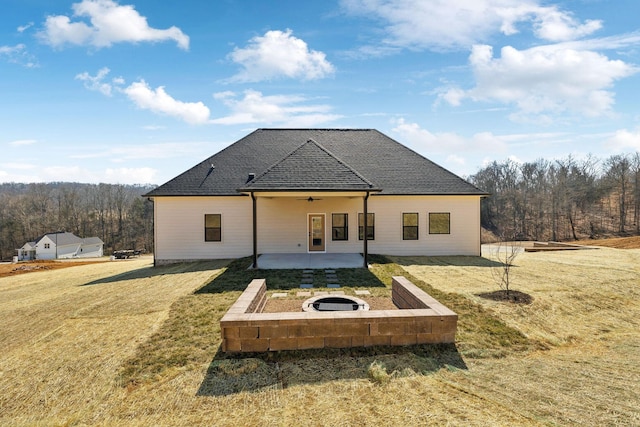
x=179, y=228
x=90, y=251
x=283, y=225
x=68, y=251
x=44, y=253
x=465, y=225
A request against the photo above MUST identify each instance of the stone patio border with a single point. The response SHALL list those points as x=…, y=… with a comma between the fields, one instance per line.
x=420, y=320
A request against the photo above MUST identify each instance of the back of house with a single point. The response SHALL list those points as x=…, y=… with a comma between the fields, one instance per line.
x=315, y=191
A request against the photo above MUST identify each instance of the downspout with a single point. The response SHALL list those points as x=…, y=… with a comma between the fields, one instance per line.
x=364, y=232
x=255, y=231
x=155, y=232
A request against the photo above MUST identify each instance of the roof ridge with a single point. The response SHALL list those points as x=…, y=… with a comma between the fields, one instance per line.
x=342, y=162
x=321, y=148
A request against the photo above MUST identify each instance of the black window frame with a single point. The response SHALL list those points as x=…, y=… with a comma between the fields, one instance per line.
x=371, y=226
x=431, y=222
x=410, y=232
x=208, y=237
x=340, y=233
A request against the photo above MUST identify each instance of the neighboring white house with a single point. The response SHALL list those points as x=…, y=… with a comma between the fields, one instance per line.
x=61, y=245
x=307, y=191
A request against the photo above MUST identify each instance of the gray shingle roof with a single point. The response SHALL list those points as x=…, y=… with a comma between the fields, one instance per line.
x=308, y=167
x=334, y=159
x=62, y=238
x=92, y=241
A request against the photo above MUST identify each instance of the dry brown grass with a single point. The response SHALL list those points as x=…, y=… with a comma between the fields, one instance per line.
x=66, y=336
x=586, y=307
x=615, y=242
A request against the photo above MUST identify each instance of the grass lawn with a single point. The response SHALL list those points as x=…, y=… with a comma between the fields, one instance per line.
x=123, y=343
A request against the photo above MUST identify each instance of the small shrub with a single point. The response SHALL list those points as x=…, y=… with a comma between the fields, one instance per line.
x=377, y=372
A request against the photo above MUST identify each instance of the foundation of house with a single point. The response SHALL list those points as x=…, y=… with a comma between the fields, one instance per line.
x=420, y=320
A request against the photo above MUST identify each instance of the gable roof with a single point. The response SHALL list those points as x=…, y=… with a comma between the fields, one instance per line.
x=337, y=159
x=92, y=241
x=61, y=238
x=309, y=167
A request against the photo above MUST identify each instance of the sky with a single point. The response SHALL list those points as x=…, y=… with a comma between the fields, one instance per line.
x=139, y=91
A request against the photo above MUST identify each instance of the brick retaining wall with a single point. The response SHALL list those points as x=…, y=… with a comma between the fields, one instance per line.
x=420, y=320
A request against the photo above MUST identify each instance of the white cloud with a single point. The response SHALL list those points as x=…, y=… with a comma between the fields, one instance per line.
x=18, y=166
x=129, y=152
x=453, y=96
x=23, y=142
x=129, y=175
x=282, y=109
x=97, y=83
x=23, y=28
x=543, y=82
x=624, y=139
x=279, y=54
x=618, y=41
x=13, y=177
x=453, y=25
x=66, y=174
x=456, y=160
x=158, y=101
x=109, y=23
x=424, y=141
x=18, y=54
x=70, y=173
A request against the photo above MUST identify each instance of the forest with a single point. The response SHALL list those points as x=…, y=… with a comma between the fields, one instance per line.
x=116, y=213
x=561, y=200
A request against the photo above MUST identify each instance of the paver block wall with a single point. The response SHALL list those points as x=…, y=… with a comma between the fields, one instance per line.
x=420, y=320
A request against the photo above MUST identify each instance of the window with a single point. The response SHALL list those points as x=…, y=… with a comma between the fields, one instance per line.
x=339, y=226
x=439, y=223
x=47, y=245
x=213, y=228
x=409, y=226
x=371, y=230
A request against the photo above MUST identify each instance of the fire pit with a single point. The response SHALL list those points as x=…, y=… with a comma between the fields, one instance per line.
x=335, y=303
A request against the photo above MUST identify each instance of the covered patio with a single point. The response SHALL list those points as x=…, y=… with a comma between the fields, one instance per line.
x=311, y=261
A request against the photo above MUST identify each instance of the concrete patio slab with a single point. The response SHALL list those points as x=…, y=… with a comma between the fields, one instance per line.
x=309, y=261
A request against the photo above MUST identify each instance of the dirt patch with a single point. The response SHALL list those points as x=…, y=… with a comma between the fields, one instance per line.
x=34, y=266
x=617, y=242
x=291, y=305
x=515, y=297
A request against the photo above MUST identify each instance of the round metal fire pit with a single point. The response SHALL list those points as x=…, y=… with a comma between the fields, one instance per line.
x=335, y=303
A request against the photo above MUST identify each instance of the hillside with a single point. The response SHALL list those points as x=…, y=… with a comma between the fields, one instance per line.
x=617, y=242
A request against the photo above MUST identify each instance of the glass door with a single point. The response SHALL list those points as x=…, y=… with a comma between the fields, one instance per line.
x=316, y=233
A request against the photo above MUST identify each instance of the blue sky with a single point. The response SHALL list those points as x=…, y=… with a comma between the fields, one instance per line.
x=139, y=91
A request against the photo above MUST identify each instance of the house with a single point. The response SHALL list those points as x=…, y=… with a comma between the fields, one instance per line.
x=61, y=245
x=315, y=191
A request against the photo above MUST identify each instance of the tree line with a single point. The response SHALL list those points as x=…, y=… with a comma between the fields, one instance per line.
x=561, y=200
x=115, y=213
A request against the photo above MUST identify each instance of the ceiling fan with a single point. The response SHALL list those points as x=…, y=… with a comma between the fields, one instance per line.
x=309, y=199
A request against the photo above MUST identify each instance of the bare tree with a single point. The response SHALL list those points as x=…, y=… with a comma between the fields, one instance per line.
x=505, y=252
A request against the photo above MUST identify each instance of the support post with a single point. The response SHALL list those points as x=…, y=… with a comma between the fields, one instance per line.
x=255, y=231
x=364, y=232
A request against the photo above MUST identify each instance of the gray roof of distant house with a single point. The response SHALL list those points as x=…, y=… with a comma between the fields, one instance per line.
x=92, y=241
x=61, y=238
x=316, y=159
x=64, y=238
